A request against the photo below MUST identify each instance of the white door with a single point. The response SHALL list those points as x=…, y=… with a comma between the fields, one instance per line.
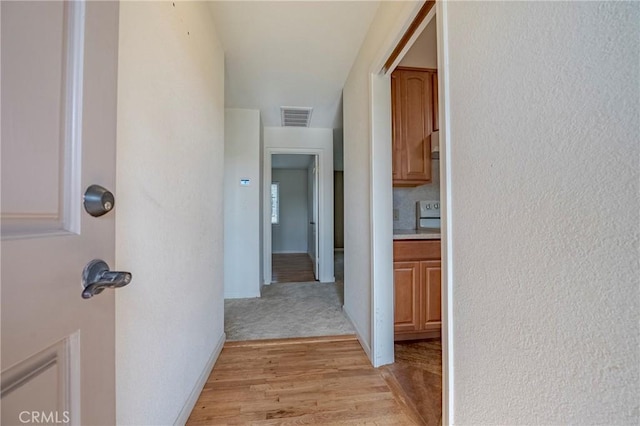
x=59, y=71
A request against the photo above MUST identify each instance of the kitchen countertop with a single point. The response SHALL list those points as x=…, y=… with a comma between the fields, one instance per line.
x=417, y=234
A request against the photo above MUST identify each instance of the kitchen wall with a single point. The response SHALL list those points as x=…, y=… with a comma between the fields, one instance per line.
x=169, y=226
x=290, y=234
x=423, y=53
x=242, y=207
x=545, y=217
x=404, y=199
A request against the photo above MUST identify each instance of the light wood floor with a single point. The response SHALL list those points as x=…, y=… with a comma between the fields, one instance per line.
x=299, y=381
x=291, y=267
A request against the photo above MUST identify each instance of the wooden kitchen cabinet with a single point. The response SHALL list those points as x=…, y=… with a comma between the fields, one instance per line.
x=406, y=279
x=413, y=114
x=430, y=276
x=435, y=112
x=417, y=289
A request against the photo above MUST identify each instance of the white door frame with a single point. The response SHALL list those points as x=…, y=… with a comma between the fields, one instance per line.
x=316, y=218
x=382, y=201
x=266, y=206
x=381, y=222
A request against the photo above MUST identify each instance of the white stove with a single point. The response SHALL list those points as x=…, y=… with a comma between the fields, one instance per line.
x=428, y=214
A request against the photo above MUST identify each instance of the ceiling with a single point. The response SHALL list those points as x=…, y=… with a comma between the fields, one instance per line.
x=290, y=53
x=291, y=161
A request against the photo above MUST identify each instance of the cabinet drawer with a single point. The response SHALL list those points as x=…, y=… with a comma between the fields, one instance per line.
x=416, y=250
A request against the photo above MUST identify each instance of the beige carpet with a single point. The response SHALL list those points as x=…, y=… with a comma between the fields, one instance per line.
x=288, y=310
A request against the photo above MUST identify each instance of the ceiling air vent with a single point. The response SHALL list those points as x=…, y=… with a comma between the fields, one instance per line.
x=295, y=116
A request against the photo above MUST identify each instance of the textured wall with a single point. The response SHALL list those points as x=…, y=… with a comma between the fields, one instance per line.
x=545, y=232
x=242, y=250
x=311, y=241
x=338, y=149
x=357, y=169
x=290, y=235
x=357, y=218
x=170, y=195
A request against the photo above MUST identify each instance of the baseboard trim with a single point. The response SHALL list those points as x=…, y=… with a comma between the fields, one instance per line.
x=359, y=335
x=243, y=296
x=182, y=418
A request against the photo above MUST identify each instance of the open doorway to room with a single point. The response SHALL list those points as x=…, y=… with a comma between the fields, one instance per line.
x=294, y=218
x=406, y=110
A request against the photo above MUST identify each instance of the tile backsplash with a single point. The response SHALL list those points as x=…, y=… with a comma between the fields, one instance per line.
x=404, y=199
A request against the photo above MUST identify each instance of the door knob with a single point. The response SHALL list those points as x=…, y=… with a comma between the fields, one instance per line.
x=96, y=276
x=98, y=200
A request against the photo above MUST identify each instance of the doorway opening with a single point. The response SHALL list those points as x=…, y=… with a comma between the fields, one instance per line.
x=294, y=218
x=297, y=299
x=420, y=305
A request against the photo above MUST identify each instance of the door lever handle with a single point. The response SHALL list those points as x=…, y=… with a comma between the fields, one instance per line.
x=96, y=276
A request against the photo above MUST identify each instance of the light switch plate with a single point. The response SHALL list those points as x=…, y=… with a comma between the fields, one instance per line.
x=396, y=215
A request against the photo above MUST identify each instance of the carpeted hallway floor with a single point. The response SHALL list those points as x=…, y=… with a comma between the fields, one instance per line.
x=289, y=310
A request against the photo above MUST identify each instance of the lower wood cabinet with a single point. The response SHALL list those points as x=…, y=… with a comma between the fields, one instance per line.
x=430, y=284
x=406, y=281
x=417, y=289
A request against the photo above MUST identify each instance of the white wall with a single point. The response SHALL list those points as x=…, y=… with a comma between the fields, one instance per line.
x=545, y=211
x=314, y=141
x=423, y=52
x=338, y=149
x=169, y=227
x=311, y=241
x=242, y=204
x=290, y=235
x=358, y=249
x=262, y=212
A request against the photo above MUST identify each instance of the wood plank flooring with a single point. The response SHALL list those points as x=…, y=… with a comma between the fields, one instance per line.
x=418, y=373
x=303, y=381
x=291, y=267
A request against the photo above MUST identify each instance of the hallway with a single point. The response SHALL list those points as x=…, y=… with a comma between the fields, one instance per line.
x=286, y=309
x=303, y=381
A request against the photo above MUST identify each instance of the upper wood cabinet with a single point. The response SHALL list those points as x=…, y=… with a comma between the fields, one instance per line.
x=412, y=109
